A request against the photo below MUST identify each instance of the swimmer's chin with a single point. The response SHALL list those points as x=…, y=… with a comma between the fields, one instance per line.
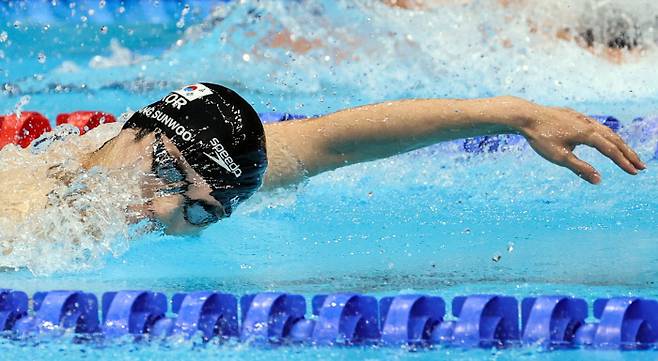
x=156, y=226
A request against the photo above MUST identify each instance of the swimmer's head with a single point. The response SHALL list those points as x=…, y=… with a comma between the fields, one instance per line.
x=217, y=137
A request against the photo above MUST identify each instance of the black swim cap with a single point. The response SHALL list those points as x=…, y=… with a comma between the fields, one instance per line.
x=218, y=133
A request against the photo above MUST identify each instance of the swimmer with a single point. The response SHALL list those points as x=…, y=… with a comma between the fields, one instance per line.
x=207, y=151
x=605, y=31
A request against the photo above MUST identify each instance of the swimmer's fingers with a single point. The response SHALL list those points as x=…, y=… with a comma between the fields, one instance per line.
x=581, y=168
x=612, y=151
x=628, y=152
x=601, y=131
x=563, y=156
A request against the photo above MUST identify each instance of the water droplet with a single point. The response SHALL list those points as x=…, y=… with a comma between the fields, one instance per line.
x=103, y=29
x=246, y=57
x=181, y=22
x=41, y=57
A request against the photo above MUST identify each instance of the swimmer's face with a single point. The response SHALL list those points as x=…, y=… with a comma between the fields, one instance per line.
x=181, y=200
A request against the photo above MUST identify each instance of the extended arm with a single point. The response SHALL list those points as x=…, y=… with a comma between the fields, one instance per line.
x=382, y=130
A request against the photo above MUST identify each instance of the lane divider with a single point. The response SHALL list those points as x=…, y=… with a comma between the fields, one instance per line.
x=22, y=128
x=551, y=322
x=85, y=120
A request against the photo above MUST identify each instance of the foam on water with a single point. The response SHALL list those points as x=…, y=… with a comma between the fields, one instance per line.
x=58, y=216
x=350, y=52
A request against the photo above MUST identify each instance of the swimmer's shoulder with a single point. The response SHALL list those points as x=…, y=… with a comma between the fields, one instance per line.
x=284, y=166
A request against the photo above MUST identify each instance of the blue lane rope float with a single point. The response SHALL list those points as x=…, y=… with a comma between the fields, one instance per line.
x=551, y=322
x=481, y=321
x=73, y=310
x=418, y=315
x=208, y=313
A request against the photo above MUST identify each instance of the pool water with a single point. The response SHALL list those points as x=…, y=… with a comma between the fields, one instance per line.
x=437, y=220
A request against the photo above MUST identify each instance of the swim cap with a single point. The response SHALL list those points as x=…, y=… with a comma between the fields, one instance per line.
x=218, y=133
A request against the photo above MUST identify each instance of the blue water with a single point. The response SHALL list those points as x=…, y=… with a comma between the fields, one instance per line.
x=429, y=221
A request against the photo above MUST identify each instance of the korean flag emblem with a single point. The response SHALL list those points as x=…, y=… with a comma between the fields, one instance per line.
x=194, y=91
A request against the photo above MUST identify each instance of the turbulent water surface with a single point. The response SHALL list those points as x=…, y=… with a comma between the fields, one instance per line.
x=436, y=219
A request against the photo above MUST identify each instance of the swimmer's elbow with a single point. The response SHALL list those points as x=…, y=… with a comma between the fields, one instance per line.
x=277, y=177
x=285, y=166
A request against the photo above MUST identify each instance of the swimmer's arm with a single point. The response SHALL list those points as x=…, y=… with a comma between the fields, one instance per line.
x=382, y=130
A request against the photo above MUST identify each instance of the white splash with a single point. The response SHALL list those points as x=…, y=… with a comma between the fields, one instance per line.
x=352, y=52
x=58, y=216
x=120, y=56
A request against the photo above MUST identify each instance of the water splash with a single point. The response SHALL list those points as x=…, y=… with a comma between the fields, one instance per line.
x=119, y=57
x=353, y=52
x=60, y=217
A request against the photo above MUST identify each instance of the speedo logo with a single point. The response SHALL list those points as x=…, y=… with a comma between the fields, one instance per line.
x=222, y=158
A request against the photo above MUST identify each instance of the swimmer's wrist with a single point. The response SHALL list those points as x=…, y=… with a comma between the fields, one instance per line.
x=517, y=114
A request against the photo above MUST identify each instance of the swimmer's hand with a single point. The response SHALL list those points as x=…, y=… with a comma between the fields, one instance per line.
x=554, y=133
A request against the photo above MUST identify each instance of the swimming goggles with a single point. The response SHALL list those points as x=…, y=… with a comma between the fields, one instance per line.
x=165, y=167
